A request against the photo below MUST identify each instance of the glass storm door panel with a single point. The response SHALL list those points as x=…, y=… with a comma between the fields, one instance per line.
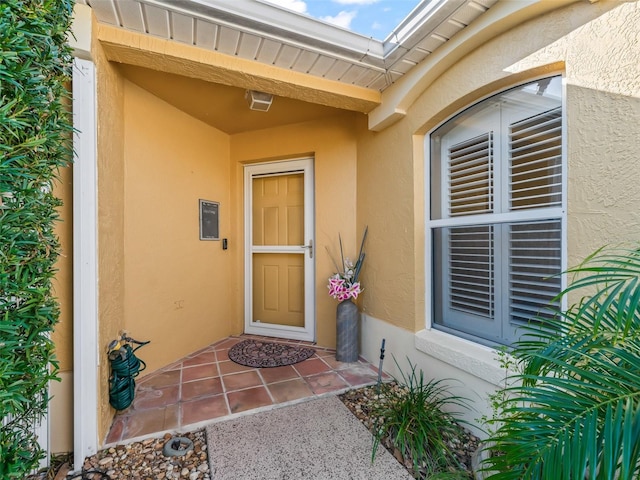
x=279, y=263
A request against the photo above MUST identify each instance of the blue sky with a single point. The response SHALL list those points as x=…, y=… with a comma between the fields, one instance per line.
x=373, y=18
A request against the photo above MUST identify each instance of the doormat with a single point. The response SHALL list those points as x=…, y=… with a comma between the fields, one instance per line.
x=261, y=354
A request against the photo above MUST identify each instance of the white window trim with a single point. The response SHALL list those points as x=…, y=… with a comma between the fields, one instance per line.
x=470, y=356
x=466, y=355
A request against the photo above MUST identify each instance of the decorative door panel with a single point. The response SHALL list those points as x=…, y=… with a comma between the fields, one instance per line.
x=278, y=289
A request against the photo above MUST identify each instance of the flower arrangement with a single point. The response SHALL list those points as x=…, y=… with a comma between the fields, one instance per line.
x=344, y=284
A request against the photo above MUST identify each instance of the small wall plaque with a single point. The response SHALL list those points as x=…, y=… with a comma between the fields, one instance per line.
x=209, y=220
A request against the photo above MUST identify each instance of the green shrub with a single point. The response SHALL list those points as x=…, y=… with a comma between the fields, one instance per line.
x=574, y=409
x=35, y=135
x=416, y=421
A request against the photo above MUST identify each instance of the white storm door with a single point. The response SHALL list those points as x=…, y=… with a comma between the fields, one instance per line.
x=279, y=250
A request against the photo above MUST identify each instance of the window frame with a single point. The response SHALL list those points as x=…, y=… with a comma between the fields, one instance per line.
x=558, y=213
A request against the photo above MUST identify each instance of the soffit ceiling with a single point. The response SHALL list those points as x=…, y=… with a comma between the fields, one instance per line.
x=257, y=31
x=221, y=106
x=261, y=32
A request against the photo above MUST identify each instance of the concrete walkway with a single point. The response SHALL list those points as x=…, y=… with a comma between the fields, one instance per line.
x=317, y=439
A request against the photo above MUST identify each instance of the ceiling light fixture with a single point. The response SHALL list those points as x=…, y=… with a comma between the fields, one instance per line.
x=259, y=101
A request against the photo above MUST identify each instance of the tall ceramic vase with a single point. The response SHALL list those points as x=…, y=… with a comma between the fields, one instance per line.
x=347, y=332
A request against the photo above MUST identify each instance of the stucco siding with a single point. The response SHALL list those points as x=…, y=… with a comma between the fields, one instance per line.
x=595, y=47
x=178, y=290
x=62, y=336
x=110, y=146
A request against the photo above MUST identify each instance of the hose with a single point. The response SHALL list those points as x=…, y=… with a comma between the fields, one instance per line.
x=125, y=366
x=88, y=474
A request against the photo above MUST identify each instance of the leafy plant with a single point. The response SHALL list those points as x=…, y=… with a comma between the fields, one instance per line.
x=496, y=399
x=35, y=134
x=416, y=421
x=575, y=413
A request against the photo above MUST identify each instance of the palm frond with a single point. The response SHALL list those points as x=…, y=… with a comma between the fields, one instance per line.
x=574, y=412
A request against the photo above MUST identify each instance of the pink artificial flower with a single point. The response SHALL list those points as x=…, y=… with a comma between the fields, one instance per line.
x=354, y=290
x=336, y=286
x=341, y=289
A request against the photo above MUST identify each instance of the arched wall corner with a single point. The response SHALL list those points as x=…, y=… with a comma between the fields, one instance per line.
x=397, y=99
x=488, y=89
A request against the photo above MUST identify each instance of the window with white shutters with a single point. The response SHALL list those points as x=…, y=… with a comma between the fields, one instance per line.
x=496, y=213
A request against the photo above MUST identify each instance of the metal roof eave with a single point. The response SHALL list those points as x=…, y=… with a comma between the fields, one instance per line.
x=274, y=21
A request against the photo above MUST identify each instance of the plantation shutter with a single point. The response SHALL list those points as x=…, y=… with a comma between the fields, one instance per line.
x=535, y=152
x=469, y=279
x=471, y=270
x=535, y=181
x=471, y=176
x=469, y=290
x=534, y=263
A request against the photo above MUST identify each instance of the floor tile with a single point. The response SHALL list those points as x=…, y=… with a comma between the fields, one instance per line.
x=200, y=388
x=144, y=422
x=171, y=417
x=248, y=399
x=203, y=409
x=204, y=357
x=115, y=433
x=232, y=367
x=290, y=390
x=325, y=353
x=206, y=385
x=335, y=364
x=228, y=343
x=311, y=367
x=277, y=374
x=222, y=355
x=238, y=381
x=159, y=380
x=199, y=372
x=326, y=382
x=146, y=398
x=357, y=376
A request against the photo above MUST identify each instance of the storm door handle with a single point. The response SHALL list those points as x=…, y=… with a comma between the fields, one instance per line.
x=310, y=248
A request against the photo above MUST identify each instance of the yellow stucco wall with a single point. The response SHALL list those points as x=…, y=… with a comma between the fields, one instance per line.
x=63, y=281
x=332, y=143
x=177, y=288
x=595, y=46
x=385, y=202
x=61, y=406
x=111, y=253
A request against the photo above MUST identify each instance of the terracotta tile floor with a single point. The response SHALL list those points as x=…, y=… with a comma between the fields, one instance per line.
x=206, y=385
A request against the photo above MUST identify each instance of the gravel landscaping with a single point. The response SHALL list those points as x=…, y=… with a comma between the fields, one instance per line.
x=146, y=461
x=141, y=461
